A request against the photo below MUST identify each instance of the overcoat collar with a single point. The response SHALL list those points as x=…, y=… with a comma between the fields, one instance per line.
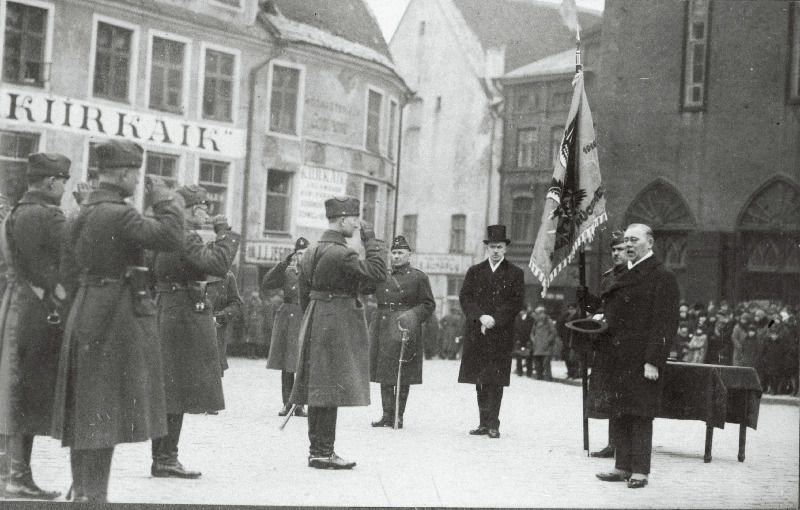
x=106, y=193
x=403, y=269
x=485, y=267
x=333, y=236
x=38, y=197
x=636, y=274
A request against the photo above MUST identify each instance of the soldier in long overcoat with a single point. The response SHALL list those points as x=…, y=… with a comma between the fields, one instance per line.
x=226, y=304
x=30, y=240
x=641, y=308
x=286, y=328
x=110, y=386
x=404, y=300
x=431, y=336
x=333, y=364
x=492, y=295
x=192, y=374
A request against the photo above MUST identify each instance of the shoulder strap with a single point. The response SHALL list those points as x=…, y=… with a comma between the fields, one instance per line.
x=315, y=261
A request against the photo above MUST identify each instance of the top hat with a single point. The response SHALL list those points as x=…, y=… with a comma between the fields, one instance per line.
x=617, y=237
x=587, y=326
x=301, y=244
x=193, y=195
x=496, y=234
x=48, y=164
x=119, y=154
x=342, y=205
x=400, y=243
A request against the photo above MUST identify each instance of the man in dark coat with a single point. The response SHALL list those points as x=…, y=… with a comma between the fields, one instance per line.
x=522, y=340
x=453, y=328
x=641, y=308
x=30, y=318
x=493, y=294
x=110, y=363
x=226, y=304
x=405, y=300
x=333, y=368
x=192, y=374
x=569, y=353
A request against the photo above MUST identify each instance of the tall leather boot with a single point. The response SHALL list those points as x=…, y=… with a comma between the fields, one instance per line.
x=98, y=470
x=20, y=482
x=165, y=452
x=387, y=403
x=404, y=389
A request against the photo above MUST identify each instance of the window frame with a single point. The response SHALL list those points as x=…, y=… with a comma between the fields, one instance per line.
x=201, y=81
x=393, y=129
x=48, y=44
x=180, y=164
x=377, y=217
x=134, y=56
x=687, y=105
x=533, y=154
x=187, y=68
x=23, y=161
x=228, y=186
x=300, y=99
x=793, y=76
x=527, y=237
x=452, y=248
x=381, y=107
x=289, y=202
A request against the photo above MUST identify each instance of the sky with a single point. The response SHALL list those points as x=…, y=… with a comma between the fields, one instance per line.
x=389, y=12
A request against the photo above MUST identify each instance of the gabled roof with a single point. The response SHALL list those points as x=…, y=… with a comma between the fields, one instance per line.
x=529, y=29
x=560, y=63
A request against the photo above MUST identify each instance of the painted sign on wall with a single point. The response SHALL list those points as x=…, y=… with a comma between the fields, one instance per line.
x=314, y=187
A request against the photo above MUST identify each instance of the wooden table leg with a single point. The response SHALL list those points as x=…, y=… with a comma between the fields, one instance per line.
x=743, y=427
x=709, y=440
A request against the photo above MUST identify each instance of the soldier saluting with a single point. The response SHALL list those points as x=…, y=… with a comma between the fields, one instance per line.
x=404, y=300
x=333, y=367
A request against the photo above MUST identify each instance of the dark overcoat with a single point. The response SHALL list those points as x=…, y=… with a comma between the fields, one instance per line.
x=599, y=378
x=30, y=346
x=405, y=292
x=226, y=304
x=641, y=308
x=110, y=386
x=487, y=358
x=333, y=363
x=192, y=373
x=453, y=327
x=286, y=328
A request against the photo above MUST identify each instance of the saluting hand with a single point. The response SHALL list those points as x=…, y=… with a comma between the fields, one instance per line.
x=650, y=372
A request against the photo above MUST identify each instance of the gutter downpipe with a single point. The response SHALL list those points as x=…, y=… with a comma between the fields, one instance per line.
x=397, y=168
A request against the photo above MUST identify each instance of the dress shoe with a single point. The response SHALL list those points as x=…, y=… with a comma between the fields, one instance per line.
x=613, y=477
x=480, y=431
x=27, y=489
x=331, y=462
x=385, y=421
x=605, y=453
x=285, y=410
x=637, y=483
x=173, y=469
x=493, y=433
x=212, y=413
x=300, y=412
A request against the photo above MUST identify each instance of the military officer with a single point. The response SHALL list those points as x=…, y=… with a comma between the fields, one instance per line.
x=333, y=368
x=405, y=301
x=226, y=303
x=286, y=329
x=110, y=386
x=192, y=374
x=31, y=323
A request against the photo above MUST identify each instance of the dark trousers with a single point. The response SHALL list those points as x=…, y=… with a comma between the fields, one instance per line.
x=528, y=365
x=90, y=473
x=542, y=364
x=489, y=399
x=321, y=430
x=18, y=449
x=5, y=460
x=388, y=397
x=287, y=383
x=165, y=449
x=633, y=443
x=612, y=434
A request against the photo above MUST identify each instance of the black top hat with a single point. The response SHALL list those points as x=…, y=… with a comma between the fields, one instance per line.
x=588, y=326
x=496, y=234
x=617, y=237
x=301, y=244
x=400, y=243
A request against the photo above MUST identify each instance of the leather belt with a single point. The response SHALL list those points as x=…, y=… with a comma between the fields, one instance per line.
x=325, y=295
x=394, y=307
x=170, y=287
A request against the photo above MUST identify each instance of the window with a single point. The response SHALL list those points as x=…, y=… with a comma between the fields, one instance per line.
x=284, y=100
x=164, y=166
x=410, y=229
x=522, y=219
x=556, y=137
x=279, y=187
x=14, y=150
x=112, y=62
x=560, y=101
x=25, y=44
x=214, y=178
x=218, y=85
x=369, y=205
x=458, y=232
x=166, y=75
x=454, y=284
x=374, y=102
x=392, y=129
x=527, y=102
x=526, y=147
x=794, y=74
x=695, y=55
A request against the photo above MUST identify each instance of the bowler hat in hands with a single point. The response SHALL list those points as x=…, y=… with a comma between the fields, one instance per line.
x=119, y=154
x=496, y=234
x=48, y=165
x=342, y=205
x=301, y=244
x=193, y=195
x=400, y=243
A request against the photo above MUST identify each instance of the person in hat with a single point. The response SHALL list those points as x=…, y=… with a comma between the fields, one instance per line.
x=405, y=300
x=333, y=367
x=192, y=373
x=286, y=328
x=110, y=364
x=31, y=327
x=492, y=295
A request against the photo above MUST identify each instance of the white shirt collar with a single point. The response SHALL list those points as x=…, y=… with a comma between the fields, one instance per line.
x=495, y=266
x=647, y=255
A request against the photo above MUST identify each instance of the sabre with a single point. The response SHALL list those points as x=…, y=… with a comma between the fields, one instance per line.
x=403, y=343
x=285, y=421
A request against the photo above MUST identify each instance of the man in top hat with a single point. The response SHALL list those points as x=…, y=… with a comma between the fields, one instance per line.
x=405, y=301
x=110, y=363
x=333, y=368
x=286, y=328
x=192, y=373
x=31, y=324
x=492, y=295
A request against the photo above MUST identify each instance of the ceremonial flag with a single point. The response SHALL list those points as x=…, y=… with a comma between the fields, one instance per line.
x=575, y=205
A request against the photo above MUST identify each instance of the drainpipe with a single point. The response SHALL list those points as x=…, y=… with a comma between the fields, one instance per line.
x=397, y=170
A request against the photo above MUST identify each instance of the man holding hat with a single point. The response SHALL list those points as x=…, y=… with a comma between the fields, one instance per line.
x=286, y=329
x=31, y=325
x=110, y=386
x=492, y=295
x=405, y=301
x=333, y=368
x=192, y=373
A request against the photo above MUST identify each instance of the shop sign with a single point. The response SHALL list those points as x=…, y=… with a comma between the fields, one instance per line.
x=442, y=263
x=267, y=252
x=314, y=187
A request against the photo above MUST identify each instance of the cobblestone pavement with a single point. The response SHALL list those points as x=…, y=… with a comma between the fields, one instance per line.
x=538, y=461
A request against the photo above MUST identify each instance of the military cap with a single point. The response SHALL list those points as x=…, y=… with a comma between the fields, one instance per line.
x=46, y=164
x=400, y=243
x=193, y=195
x=301, y=244
x=119, y=154
x=617, y=237
x=342, y=205
x=496, y=234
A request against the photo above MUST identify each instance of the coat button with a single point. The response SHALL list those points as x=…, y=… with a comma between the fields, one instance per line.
x=627, y=299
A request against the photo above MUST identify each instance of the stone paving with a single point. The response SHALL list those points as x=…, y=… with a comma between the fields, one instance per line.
x=538, y=461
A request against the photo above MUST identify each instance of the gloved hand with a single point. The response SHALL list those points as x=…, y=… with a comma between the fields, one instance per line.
x=289, y=258
x=221, y=318
x=157, y=191
x=220, y=224
x=405, y=320
x=81, y=193
x=367, y=233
